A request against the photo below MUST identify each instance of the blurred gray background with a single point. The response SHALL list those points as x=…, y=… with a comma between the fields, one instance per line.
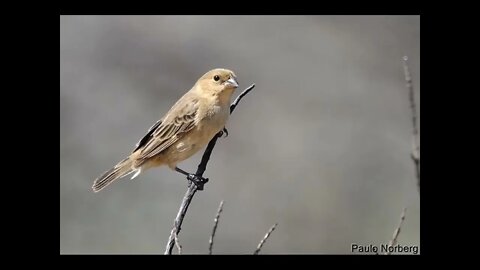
x=321, y=146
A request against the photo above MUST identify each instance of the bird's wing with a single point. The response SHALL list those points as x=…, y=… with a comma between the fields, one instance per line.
x=178, y=121
x=147, y=136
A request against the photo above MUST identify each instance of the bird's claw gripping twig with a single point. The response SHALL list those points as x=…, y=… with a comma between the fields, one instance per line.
x=198, y=181
x=222, y=132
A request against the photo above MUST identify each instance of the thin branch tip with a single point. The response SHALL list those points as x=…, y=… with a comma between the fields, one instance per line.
x=239, y=97
x=262, y=242
x=415, y=154
x=393, y=242
x=214, y=230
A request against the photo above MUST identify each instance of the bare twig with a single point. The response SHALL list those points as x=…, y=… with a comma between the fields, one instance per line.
x=259, y=247
x=180, y=216
x=217, y=217
x=192, y=188
x=177, y=243
x=415, y=155
x=397, y=231
x=415, y=148
x=235, y=102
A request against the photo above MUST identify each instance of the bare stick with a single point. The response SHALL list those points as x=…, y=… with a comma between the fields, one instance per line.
x=415, y=148
x=397, y=231
x=177, y=243
x=235, y=102
x=259, y=247
x=180, y=216
x=192, y=188
x=210, y=247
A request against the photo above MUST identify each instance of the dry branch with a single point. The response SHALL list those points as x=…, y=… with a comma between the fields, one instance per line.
x=397, y=231
x=415, y=155
x=215, y=224
x=177, y=243
x=259, y=247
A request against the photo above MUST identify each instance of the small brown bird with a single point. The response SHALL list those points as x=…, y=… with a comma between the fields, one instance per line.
x=186, y=128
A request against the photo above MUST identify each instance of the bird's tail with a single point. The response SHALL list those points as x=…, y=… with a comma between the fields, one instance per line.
x=120, y=170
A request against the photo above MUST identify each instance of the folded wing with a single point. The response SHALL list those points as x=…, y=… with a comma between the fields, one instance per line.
x=178, y=121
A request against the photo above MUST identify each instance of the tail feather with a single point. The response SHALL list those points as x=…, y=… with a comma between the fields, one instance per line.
x=120, y=170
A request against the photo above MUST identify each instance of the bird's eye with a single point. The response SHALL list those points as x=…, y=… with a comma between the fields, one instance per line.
x=216, y=77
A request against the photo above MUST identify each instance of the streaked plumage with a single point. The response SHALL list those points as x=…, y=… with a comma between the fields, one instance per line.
x=186, y=128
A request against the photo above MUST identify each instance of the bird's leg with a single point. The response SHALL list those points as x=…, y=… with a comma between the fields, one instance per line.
x=192, y=178
x=223, y=131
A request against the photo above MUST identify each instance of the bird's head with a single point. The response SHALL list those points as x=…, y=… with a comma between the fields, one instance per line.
x=218, y=82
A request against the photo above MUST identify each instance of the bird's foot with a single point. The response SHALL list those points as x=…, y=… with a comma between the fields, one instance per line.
x=222, y=132
x=197, y=180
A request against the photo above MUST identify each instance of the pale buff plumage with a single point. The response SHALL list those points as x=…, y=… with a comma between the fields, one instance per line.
x=186, y=128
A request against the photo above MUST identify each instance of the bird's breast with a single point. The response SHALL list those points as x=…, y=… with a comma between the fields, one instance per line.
x=217, y=116
x=213, y=121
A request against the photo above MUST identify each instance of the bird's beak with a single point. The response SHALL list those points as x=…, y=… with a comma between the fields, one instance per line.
x=232, y=82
